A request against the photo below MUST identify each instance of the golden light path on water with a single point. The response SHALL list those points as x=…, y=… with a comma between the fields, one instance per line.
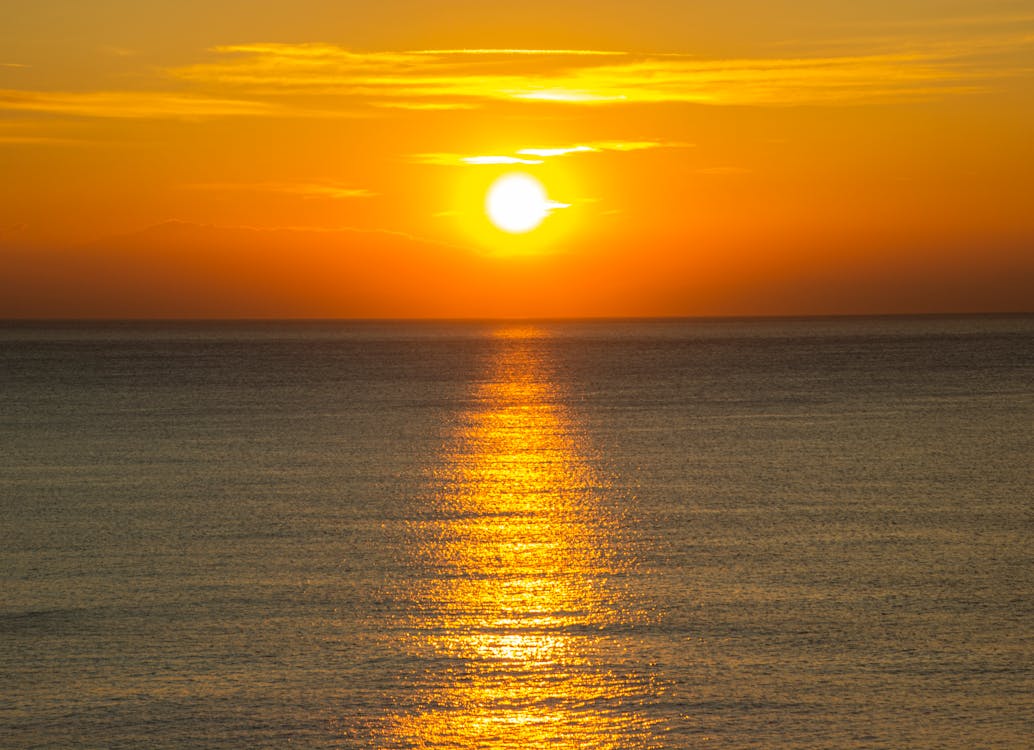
x=525, y=611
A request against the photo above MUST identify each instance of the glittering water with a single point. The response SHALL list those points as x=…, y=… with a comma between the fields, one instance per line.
x=658, y=534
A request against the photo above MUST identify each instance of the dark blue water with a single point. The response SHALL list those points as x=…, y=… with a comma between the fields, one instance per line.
x=695, y=533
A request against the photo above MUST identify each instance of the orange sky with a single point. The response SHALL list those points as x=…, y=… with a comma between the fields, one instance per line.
x=329, y=159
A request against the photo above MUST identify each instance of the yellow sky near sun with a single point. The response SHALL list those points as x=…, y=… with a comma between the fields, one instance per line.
x=710, y=158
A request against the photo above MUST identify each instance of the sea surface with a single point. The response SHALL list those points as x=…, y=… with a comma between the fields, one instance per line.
x=786, y=533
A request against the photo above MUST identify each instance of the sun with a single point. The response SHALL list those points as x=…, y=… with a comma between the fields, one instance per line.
x=517, y=203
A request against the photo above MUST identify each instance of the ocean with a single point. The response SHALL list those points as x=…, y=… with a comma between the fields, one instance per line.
x=697, y=533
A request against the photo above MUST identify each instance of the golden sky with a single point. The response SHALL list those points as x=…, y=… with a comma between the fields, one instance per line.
x=320, y=158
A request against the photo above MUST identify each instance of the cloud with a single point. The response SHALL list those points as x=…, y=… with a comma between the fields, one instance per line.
x=636, y=145
x=437, y=159
x=498, y=160
x=754, y=82
x=452, y=159
x=548, y=152
x=531, y=52
x=331, y=190
x=283, y=80
x=131, y=104
x=442, y=79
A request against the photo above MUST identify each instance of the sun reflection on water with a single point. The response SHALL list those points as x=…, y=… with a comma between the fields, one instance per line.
x=523, y=597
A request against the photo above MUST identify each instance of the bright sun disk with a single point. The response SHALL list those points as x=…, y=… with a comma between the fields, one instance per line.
x=518, y=203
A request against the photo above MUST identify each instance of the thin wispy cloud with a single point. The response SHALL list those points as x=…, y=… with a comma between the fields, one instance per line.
x=131, y=104
x=635, y=145
x=445, y=78
x=450, y=160
x=283, y=80
x=441, y=159
x=541, y=154
x=498, y=160
x=486, y=52
x=562, y=151
x=757, y=82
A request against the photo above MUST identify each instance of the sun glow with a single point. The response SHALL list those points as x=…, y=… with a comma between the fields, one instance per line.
x=518, y=203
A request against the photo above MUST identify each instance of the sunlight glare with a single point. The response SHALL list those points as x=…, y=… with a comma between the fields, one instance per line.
x=517, y=203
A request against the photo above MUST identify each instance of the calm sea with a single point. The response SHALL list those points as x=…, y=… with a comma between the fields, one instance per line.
x=809, y=533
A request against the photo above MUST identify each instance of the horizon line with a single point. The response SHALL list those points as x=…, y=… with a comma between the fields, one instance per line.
x=515, y=319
